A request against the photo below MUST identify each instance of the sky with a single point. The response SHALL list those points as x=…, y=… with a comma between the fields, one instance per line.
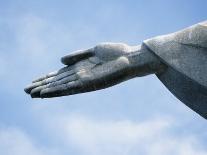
x=139, y=116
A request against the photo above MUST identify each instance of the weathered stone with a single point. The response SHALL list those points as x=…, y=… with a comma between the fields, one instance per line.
x=179, y=60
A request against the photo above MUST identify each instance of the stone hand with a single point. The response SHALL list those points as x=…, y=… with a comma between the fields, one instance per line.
x=88, y=70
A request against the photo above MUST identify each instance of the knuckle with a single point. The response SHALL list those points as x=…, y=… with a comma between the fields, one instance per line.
x=123, y=60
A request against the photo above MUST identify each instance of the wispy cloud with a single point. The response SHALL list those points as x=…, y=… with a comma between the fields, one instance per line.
x=148, y=137
x=14, y=141
x=33, y=48
x=91, y=137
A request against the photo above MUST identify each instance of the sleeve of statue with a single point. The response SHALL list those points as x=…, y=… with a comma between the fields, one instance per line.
x=185, y=54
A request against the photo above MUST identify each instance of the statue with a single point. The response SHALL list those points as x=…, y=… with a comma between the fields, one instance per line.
x=179, y=60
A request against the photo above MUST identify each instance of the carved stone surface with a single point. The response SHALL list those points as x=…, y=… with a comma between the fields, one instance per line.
x=185, y=52
x=179, y=60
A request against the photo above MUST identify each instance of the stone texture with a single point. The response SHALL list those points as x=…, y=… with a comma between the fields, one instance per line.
x=185, y=54
x=179, y=60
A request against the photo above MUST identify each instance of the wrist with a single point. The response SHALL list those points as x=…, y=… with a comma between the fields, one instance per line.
x=143, y=62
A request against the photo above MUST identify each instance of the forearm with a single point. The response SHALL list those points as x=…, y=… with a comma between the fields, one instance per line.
x=144, y=62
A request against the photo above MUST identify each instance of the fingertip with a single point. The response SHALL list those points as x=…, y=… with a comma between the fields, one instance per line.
x=29, y=88
x=62, y=60
x=68, y=60
x=43, y=93
x=35, y=94
x=26, y=90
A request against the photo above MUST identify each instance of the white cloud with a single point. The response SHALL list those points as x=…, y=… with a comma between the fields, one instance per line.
x=14, y=141
x=32, y=50
x=34, y=37
x=91, y=137
x=150, y=137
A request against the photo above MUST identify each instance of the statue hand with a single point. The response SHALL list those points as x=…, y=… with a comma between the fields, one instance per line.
x=97, y=68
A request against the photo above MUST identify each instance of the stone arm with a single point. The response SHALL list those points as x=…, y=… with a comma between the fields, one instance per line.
x=178, y=59
x=96, y=68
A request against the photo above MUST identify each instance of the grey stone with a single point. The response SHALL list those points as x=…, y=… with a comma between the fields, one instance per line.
x=185, y=54
x=179, y=60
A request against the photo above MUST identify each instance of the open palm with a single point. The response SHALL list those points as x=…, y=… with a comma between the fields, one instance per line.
x=96, y=68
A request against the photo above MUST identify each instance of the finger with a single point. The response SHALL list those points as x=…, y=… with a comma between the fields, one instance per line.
x=95, y=60
x=55, y=78
x=61, y=90
x=49, y=80
x=29, y=88
x=53, y=74
x=46, y=76
x=63, y=81
x=36, y=91
x=77, y=56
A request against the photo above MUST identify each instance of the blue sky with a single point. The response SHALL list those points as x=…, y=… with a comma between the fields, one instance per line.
x=139, y=116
